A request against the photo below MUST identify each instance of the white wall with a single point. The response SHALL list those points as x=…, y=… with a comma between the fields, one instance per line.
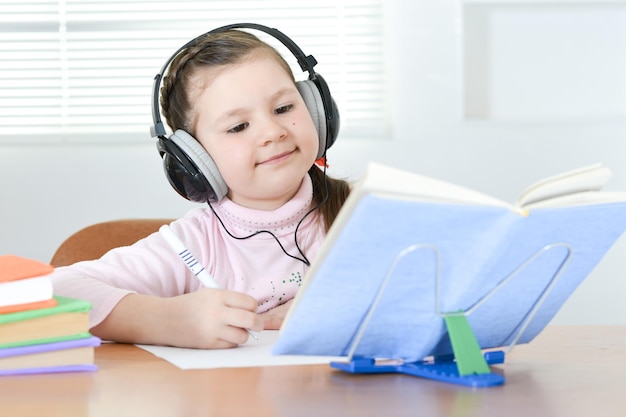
x=569, y=113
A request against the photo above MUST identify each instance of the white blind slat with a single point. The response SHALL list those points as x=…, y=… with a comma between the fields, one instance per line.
x=85, y=67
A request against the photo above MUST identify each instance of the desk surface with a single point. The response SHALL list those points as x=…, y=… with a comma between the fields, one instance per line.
x=567, y=371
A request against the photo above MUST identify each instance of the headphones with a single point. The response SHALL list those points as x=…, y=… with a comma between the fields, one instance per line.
x=189, y=168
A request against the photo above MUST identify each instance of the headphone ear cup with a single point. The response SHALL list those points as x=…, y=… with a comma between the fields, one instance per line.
x=313, y=101
x=194, y=175
x=331, y=111
x=327, y=128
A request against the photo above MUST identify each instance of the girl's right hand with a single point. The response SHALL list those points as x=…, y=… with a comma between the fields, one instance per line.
x=212, y=318
x=206, y=319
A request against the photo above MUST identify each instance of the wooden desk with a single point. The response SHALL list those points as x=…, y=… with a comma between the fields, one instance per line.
x=567, y=371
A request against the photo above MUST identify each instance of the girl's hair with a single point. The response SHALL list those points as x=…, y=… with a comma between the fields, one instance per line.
x=218, y=50
x=338, y=191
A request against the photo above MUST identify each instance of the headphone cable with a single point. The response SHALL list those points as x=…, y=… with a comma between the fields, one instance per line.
x=303, y=259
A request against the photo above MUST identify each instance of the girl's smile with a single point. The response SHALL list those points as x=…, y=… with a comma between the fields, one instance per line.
x=276, y=159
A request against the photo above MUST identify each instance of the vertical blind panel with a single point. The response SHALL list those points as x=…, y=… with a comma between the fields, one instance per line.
x=86, y=67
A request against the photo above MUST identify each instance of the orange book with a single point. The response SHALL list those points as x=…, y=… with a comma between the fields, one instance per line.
x=24, y=283
x=28, y=306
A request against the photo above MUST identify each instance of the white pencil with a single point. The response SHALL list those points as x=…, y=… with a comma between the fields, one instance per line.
x=190, y=260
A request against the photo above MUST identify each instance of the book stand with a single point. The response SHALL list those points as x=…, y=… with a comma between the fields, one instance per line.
x=467, y=365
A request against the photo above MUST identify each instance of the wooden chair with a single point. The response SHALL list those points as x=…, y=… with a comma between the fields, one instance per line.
x=94, y=241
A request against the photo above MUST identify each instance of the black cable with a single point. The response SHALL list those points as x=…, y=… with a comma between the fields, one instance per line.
x=304, y=259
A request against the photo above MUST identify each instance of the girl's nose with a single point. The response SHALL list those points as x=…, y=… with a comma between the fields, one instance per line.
x=272, y=130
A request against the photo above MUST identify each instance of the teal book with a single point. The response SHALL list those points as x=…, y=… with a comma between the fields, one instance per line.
x=408, y=250
x=68, y=320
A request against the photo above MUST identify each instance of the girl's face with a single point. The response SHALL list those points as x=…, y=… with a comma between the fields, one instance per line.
x=253, y=122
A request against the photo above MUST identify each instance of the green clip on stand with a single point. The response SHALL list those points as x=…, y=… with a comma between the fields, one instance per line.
x=468, y=365
x=469, y=358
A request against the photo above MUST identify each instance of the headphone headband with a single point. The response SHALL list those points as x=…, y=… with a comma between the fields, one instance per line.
x=307, y=63
x=190, y=169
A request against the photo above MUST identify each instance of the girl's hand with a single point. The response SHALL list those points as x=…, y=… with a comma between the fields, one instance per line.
x=205, y=319
x=273, y=319
x=210, y=318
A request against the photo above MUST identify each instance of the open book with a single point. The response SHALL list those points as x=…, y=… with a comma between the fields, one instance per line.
x=406, y=250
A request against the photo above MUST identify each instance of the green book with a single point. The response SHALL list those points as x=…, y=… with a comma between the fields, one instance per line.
x=68, y=320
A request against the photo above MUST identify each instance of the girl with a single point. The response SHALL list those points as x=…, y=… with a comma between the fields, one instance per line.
x=238, y=98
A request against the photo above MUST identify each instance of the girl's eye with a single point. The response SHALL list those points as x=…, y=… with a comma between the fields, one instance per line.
x=239, y=128
x=283, y=109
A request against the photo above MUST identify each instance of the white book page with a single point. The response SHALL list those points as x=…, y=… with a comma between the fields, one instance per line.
x=579, y=199
x=24, y=291
x=385, y=180
x=589, y=178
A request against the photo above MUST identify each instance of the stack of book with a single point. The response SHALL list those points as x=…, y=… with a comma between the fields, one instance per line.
x=40, y=332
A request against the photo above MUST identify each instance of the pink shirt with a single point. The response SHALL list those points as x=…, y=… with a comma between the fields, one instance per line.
x=256, y=266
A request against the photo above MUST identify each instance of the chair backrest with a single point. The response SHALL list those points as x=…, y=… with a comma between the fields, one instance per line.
x=94, y=241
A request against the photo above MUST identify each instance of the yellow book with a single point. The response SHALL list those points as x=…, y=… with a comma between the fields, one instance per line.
x=69, y=319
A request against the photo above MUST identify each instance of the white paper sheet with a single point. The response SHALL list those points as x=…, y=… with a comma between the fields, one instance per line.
x=252, y=353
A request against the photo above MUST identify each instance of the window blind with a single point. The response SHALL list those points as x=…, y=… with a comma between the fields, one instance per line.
x=83, y=70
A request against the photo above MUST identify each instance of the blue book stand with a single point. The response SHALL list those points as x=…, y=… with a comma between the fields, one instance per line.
x=450, y=369
x=467, y=365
